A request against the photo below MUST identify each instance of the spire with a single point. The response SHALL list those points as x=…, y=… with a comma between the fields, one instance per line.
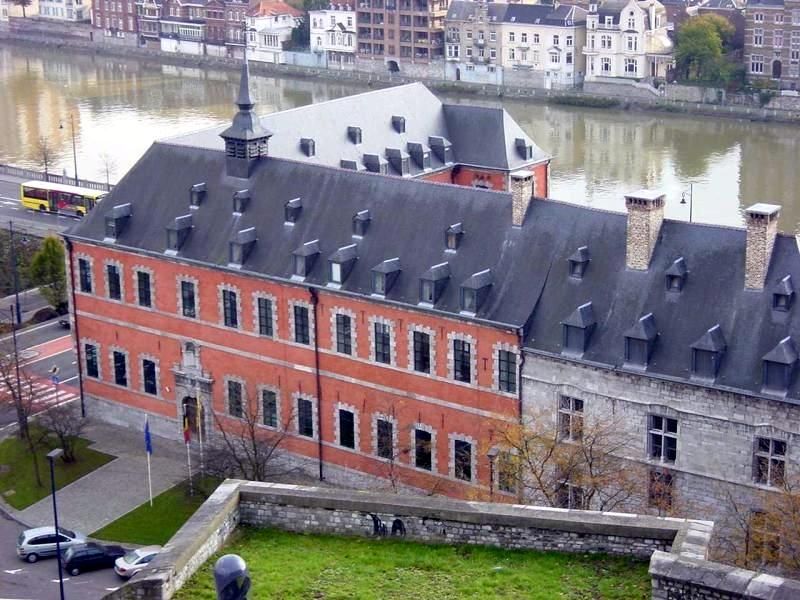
x=243, y=100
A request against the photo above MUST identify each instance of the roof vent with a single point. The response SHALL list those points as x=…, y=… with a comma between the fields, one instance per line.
x=524, y=149
x=433, y=282
x=453, y=235
x=442, y=148
x=707, y=354
x=778, y=367
x=340, y=263
x=361, y=222
x=354, y=133
x=177, y=232
x=240, y=246
x=475, y=290
x=399, y=160
x=640, y=341
x=783, y=295
x=346, y=163
x=197, y=194
x=240, y=201
x=578, y=262
x=676, y=275
x=375, y=163
x=292, y=210
x=116, y=221
x=384, y=275
x=304, y=258
x=399, y=124
x=421, y=154
x=308, y=146
x=577, y=329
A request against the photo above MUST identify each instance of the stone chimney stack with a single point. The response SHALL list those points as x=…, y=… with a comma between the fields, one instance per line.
x=762, y=227
x=522, y=190
x=645, y=215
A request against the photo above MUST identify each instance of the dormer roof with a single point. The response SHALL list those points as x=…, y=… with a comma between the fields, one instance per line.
x=711, y=341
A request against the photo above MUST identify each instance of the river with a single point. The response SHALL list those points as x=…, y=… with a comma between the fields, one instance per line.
x=118, y=107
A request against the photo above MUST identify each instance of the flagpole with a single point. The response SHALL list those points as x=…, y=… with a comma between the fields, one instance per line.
x=148, y=449
x=149, y=480
x=200, y=435
x=189, y=462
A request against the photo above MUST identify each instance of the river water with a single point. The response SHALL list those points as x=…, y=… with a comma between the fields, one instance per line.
x=118, y=107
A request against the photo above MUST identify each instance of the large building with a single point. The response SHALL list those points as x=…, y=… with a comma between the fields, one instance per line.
x=116, y=19
x=333, y=33
x=772, y=42
x=269, y=25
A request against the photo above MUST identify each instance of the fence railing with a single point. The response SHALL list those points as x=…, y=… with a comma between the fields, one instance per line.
x=24, y=173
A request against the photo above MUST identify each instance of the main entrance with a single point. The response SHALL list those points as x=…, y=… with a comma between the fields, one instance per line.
x=192, y=416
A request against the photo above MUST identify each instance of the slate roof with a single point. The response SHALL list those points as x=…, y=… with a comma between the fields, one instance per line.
x=765, y=3
x=480, y=135
x=542, y=14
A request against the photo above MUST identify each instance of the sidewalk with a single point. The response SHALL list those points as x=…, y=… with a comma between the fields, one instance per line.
x=117, y=487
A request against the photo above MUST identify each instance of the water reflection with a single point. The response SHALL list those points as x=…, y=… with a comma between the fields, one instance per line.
x=120, y=106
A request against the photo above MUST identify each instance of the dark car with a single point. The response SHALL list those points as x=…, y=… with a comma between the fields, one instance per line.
x=90, y=556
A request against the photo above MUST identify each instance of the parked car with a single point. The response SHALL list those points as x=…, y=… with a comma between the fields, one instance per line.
x=90, y=556
x=135, y=560
x=33, y=544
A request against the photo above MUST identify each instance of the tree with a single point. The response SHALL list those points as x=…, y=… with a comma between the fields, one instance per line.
x=65, y=423
x=699, y=50
x=45, y=155
x=301, y=35
x=47, y=270
x=23, y=4
x=109, y=166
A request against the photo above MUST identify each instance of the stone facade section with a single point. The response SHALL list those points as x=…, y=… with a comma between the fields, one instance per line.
x=762, y=227
x=645, y=216
x=522, y=190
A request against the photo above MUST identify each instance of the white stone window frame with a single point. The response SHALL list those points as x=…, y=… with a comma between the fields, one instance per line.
x=296, y=415
x=89, y=259
x=118, y=264
x=451, y=463
x=496, y=348
x=473, y=357
x=264, y=295
x=179, y=294
x=392, y=340
x=277, y=391
x=311, y=328
x=432, y=335
x=135, y=277
x=413, y=453
x=154, y=359
x=395, y=443
x=113, y=380
x=99, y=354
x=338, y=310
x=223, y=287
x=226, y=391
x=356, y=421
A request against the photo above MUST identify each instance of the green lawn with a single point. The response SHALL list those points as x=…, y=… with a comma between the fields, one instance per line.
x=148, y=525
x=286, y=565
x=17, y=474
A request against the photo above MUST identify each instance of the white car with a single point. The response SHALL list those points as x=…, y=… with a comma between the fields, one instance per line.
x=33, y=544
x=134, y=561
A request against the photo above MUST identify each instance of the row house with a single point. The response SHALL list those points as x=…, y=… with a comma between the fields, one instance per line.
x=4, y=4
x=503, y=43
x=627, y=39
x=269, y=29
x=149, y=17
x=74, y=11
x=333, y=33
x=183, y=27
x=772, y=42
x=117, y=18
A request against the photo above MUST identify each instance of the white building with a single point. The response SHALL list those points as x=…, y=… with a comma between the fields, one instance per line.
x=4, y=10
x=333, y=32
x=627, y=39
x=270, y=25
x=66, y=10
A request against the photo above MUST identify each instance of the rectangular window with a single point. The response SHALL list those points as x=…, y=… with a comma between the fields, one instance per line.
x=344, y=343
x=510, y=36
x=569, y=495
x=305, y=417
x=235, y=405
x=777, y=39
x=756, y=64
x=120, y=369
x=462, y=460
x=758, y=37
x=301, y=331
x=507, y=371
x=269, y=408
x=769, y=461
x=229, y=310
x=188, y=307
x=423, y=449
x=461, y=361
x=663, y=434
x=114, y=284
x=422, y=352
x=265, y=317
x=570, y=418
x=383, y=349
x=385, y=442
x=92, y=364
x=347, y=429
x=506, y=472
x=143, y=288
x=659, y=490
x=85, y=275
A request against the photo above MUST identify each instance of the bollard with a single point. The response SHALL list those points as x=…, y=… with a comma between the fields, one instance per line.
x=231, y=578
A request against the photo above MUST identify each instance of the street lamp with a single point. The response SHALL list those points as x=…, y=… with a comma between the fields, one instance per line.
x=691, y=197
x=492, y=455
x=74, y=154
x=51, y=457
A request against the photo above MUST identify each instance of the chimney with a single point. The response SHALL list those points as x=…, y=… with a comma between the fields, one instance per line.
x=762, y=227
x=521, y=194
x=645, y=215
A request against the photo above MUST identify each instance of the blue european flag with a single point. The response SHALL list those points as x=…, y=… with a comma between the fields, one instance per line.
x=148, y=443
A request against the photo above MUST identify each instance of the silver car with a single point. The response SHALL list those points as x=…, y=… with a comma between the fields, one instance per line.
x=135, y=560
x=33, y=544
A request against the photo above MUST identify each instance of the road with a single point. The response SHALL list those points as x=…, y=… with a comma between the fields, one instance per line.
x=27, y=221
x=39, y=581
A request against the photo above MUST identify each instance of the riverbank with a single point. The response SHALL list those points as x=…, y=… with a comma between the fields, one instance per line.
x=785, y=110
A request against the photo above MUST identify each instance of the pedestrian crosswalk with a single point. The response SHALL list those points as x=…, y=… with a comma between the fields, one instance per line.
x=45, y=394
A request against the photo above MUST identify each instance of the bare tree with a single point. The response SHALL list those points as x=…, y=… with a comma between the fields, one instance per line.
x=45, y=155
x=109, y=166
x=64, y=421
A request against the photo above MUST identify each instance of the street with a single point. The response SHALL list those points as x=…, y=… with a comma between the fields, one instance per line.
x=27, y=221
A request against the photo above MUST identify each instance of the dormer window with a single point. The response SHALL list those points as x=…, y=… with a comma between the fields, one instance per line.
x=241, y=246
x=197, y=194
x=779, y=367
x=577, y=329
x=399, y=124
x=375, y=163
x=399, y=160
x=177, y=233
x=676, y=275
x=578, y=262
x=453, y=235
x=442, y=148
x=292, y=210
x=421, y=154
x=240, y=201
x=640, y=341
x=524, y=149
x=341, y=263
x=304, y=258
x=384, y=275
x=783, y=295
x=361, y=221
x=354, y=133
x=707, y=354
x=308, y=146
x=433, y=283
x=475, y=290
x=116, y=221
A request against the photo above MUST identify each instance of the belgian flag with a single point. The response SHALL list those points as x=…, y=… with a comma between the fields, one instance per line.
x=187, y=429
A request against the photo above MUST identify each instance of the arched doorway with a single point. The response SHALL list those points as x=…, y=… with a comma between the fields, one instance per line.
x=393, y=66
x=191, y=413
x=776, y=69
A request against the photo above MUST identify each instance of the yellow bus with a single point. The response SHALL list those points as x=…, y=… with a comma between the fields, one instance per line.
x=55, y=197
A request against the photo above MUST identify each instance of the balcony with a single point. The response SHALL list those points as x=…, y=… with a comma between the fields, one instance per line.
x=453, y=38
x=480, y=42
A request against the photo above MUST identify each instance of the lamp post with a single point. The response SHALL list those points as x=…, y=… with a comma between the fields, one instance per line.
x=14, y=270
x=492, y=455
x=74, y=154
x=691, y=197
x=51, y=457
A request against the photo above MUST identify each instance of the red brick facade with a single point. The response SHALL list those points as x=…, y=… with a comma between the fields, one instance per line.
x=493, y=180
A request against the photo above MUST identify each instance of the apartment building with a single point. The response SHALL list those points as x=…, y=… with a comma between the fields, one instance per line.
x=182, y=27
x=333, y=33
x=66, y=10
x=269, y=30
x=772, y=42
